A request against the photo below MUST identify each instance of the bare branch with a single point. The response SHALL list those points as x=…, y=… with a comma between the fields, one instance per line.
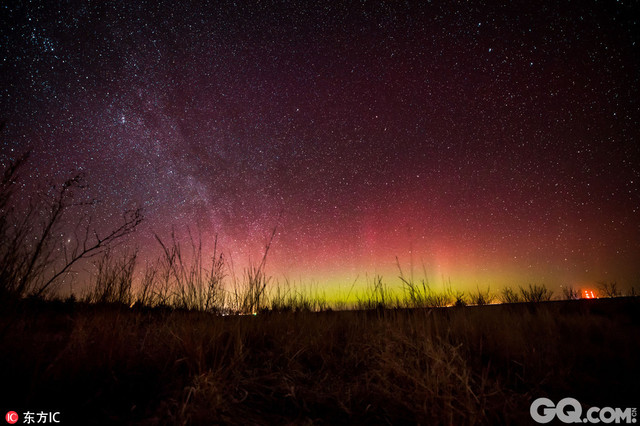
x=131, y=220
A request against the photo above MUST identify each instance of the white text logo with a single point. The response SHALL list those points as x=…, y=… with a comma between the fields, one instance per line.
x=569, y=410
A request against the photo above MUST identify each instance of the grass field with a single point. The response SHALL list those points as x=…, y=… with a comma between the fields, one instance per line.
x=111, y=364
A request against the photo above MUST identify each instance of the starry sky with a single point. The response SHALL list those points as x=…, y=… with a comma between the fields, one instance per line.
x=487, y=144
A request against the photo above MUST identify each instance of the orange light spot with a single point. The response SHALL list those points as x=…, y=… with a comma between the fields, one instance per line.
x=588, y=294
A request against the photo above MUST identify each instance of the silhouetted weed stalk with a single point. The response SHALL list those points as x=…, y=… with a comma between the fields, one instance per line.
x=113, y=279
x=186, y=284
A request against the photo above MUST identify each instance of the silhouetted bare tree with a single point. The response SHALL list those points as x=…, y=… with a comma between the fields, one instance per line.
x=33, y=256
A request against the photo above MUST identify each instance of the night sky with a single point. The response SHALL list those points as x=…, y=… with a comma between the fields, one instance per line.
x=492, y=144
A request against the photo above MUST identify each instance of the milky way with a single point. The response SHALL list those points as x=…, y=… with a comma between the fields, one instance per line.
x=491, y=144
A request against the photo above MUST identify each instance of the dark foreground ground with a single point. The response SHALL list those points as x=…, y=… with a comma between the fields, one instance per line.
x=472, y=365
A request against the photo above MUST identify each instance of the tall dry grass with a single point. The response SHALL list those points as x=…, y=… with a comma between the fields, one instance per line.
x=476, y=365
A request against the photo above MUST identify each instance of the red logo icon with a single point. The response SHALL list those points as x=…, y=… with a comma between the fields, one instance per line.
x=11, y=417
